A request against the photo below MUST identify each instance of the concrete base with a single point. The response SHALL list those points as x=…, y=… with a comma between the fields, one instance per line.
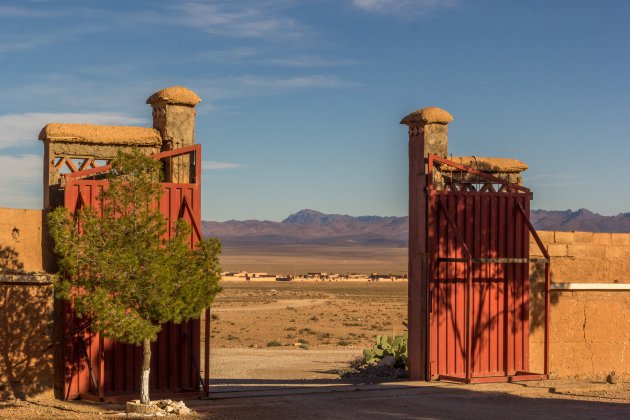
x=135, y=407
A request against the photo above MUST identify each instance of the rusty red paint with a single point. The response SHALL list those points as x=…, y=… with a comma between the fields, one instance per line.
x=479, y=305
x=175, y=365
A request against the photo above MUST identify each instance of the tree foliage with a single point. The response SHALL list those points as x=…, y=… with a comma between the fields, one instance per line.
x=117, y=263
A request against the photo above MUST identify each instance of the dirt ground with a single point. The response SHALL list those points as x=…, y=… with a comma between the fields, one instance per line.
x=307, y=315
x=401, y=400
x=278, y=347
x=300, y=259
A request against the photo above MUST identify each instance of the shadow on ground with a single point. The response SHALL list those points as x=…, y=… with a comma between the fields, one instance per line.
x=403, y=401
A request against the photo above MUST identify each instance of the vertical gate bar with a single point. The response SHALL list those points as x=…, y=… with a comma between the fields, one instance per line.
x=519, y=302
x=524, y=273
x=206, y=355
x=547, y=303
x=512, y=287
x=468, y=326
x=451, y=250
x=443, y=331
x=472, y=240
x=494, y=275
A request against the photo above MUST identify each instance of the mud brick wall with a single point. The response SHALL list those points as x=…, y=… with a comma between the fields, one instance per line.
x=589, y=329
x=25, y=246
x=26, y=331
x=26, y=304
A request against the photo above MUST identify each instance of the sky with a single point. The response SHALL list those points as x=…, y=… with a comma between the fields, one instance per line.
x=302, y=99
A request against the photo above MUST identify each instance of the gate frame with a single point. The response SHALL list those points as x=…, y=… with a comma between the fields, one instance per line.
x=69, y=360
x=431, y=266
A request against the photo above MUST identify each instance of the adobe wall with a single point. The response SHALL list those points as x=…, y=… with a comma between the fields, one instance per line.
x=24, y=244
x=589, y=329
x=26, y=304
x=26, y=328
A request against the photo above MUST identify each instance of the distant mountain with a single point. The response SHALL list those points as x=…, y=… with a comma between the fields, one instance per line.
x=313, y=227
x=580, y=220
x=310, y=226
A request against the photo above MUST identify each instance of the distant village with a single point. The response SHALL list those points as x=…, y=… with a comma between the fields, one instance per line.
x=315, y=276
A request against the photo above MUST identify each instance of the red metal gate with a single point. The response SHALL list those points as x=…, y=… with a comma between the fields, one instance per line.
x=101, y=367
x=478, y=263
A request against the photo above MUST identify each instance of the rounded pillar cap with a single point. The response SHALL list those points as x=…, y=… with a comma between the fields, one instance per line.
x=175, y=95
x=429, y=115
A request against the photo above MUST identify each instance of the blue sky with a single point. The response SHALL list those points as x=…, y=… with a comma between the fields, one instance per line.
x=302, y=99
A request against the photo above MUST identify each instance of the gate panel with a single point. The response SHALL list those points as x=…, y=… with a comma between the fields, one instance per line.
x=175, y=361
x=478, y=279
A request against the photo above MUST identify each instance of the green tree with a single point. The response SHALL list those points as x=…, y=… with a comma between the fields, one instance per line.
x=122, y=271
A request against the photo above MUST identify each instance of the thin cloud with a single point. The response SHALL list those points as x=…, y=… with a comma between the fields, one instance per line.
x=404, y=7
x=254, y=85
x=26, y=42
x=21, y=185
x=299, y=82
x=308, y=61
x=234, y=54
x=235, y=19
x=18, y=129
x=12, y=12
x=260, y=56
x=210, y=165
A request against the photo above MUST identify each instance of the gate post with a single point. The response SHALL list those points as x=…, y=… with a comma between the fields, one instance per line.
x=174, y=118
x=428, y=134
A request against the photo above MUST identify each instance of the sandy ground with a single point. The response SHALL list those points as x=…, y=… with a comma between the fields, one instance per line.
x=307, y=315
x=396, y=400
x=299, y=259
x=241, y=366
x=277, y=349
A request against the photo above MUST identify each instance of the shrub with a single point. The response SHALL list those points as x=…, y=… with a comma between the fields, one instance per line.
x=395, y=347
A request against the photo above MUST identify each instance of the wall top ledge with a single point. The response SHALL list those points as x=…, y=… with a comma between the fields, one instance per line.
x=175, y=95
x=100, y=134
x=429, y=115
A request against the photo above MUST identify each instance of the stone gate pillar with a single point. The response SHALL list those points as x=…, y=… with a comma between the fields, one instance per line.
x=428, y=134
x=174, y=118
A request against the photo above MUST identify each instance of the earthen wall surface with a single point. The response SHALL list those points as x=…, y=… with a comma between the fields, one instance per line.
x=26, y=328
x=26, y=304
x=589, y=329
x=24, y=242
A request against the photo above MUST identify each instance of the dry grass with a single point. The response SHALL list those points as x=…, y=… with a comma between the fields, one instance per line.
x=309, y=315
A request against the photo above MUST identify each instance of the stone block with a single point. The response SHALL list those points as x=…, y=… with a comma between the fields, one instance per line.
x=602, y=238
x=577, y=250
x=557, y=250
x=547, y=236
x=620, y=238
x=564, y=237
x=614, y=252
x=583, y=237
x=596, y=250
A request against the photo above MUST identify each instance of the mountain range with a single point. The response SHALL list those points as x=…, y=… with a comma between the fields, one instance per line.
x=313, y=227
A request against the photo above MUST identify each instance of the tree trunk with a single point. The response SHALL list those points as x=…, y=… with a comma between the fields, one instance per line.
x=146, y=369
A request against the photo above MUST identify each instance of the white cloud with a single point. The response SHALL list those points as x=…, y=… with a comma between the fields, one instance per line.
x=261, y=56
x=10, y=11
x=308, y=61
x=209, y=165
x=22, y=129
x=235, y=54
x=15, y=42
x=21, y=185
x=257, y=18
x=404, y=7
x=252, y=85
x=299, y=82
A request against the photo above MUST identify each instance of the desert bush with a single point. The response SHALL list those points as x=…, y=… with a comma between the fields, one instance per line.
x=395, y=347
